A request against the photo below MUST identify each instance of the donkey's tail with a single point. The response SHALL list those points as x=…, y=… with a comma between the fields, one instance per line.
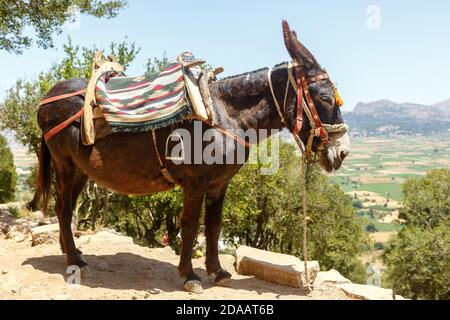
x=44, y=177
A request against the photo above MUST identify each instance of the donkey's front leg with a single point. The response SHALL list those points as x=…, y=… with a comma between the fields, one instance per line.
x=192, y=204
x=213, y=220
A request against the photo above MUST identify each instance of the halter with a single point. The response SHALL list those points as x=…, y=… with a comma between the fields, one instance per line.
x=301, y=84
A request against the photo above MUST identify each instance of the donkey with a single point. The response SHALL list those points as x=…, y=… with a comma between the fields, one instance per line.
x=128, y=163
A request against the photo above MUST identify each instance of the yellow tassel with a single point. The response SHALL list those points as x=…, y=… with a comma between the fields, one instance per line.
x=339, y=100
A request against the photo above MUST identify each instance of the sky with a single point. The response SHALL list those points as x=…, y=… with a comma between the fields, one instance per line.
x=397, y=50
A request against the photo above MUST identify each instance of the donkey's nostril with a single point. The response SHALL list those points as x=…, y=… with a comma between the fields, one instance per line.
x=344, y=155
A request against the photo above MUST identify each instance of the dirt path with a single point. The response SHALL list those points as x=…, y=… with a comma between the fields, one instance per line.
x=123, y=270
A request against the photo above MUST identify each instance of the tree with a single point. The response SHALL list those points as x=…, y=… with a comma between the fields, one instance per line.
x=418, y=260
x=427, y=201
x=265, y=212
x=371, y=228
x=19, y=111
x=147, y=218
x=8, y=175
x=45, y=18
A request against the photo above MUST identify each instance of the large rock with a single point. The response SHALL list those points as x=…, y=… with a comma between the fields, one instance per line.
x=331, y=276
x=109, y=237
x=366, y=292
x=45, y=234
x=274, y=267
x=6, y=221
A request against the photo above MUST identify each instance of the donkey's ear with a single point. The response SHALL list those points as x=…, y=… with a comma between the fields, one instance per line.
x=296, y=49
x=289, y=39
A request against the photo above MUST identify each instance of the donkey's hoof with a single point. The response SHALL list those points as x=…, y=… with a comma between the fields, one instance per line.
x=223, y=278
x=193, y=286
x=86, y=272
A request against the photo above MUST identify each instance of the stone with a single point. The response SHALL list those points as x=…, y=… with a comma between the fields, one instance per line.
x=274, y=267
x=22, y=227
x=16, y=236
x=110, y=238
x=38, y=216
x=62, y=296
x=6, y=217
x=47, y=234
x=84, y=240
x=366, y=292
x=51, y=220
x=331, y=276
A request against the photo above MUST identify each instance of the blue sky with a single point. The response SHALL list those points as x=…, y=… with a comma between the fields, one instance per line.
x=407, y=59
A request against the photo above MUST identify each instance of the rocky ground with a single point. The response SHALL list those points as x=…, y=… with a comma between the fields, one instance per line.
x=33, y=267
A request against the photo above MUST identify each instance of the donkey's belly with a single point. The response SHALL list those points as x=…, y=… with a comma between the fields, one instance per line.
x=124, y=163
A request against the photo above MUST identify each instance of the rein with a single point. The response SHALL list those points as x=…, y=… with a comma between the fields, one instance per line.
x=305, y=103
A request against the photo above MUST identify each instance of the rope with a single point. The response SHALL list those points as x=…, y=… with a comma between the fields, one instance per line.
x=269, y=75
x=305, y=222
x=335, y=128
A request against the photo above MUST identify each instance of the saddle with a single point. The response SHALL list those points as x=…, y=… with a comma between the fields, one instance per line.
x=136, y=104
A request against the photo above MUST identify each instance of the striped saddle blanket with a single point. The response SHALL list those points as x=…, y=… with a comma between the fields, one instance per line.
x=137, y=104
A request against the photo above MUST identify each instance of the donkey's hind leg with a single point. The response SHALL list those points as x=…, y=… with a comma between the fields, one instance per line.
x=68, y=187
x=79, y=182
x=189, y=221
x=213, y=220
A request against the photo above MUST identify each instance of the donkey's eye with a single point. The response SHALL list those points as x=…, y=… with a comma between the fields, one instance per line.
x=326, y=99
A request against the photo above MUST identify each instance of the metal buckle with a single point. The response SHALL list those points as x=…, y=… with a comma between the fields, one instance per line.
x=175, y=136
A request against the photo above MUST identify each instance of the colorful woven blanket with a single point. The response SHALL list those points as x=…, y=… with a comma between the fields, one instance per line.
x=136, y=104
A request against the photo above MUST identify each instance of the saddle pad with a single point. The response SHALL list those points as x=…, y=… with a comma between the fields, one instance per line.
x=137, y=104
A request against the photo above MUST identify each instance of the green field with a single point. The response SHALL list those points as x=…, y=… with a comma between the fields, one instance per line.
x=388, y=190
x=376, y=168
x=385, y=227
x=382, y=165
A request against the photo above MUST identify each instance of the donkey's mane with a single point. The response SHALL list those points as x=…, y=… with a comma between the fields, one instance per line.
x=239, y=86
x=254, y=71
x=244, y=74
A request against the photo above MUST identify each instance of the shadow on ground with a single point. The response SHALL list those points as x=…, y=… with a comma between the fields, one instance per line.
x=128, y=271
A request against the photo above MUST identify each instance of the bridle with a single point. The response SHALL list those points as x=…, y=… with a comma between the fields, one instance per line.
x=300, y=83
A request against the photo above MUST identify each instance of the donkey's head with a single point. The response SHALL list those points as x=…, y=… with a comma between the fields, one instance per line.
x=326, y=100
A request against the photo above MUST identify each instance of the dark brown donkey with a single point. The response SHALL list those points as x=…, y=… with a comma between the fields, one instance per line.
x=127, y=162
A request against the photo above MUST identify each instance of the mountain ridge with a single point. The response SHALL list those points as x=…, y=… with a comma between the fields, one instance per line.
x=387, y=118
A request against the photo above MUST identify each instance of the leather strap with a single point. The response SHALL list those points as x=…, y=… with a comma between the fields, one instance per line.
x=223, y=130
x=63, y=125
x=299, y=121
x=303, y=82
x=62, y=96
x=316, y=78
x=162, y=167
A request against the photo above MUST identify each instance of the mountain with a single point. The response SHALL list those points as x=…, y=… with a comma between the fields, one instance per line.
x=388, y=118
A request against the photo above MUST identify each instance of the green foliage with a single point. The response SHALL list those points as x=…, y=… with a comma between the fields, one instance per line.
x=371, y=228
x=419, y=262
x=156, y=65
x=378, y=246
x=357, y=203
x=388, y=190
x=8, y=175
x=145, y=218
x=427, y=201
x=148, y=218
x=45, y=18
x=418, y=259
x=19, y=111
x=265, y=212
x=382, y=226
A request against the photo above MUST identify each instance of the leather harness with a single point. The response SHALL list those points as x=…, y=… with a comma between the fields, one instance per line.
x=304, y=102
x=67, y=122
x=300, y=84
